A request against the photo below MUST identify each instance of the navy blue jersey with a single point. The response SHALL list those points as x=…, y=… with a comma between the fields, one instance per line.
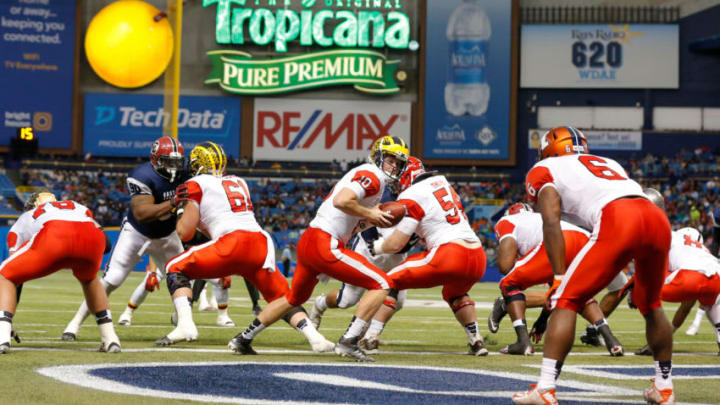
x=144, y=180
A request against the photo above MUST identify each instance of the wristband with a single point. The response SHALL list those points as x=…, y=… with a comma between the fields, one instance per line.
x=377, y=246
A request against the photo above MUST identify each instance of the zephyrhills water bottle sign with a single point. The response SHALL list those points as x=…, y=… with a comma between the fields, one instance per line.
x=467, y=84
x=602, y=55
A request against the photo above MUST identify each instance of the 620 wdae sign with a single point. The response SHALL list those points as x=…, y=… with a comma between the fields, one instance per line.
x=323, y=130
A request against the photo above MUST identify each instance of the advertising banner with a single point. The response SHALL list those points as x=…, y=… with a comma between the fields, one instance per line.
x=600, y=56
x=315, y=44
x=37, y=51
x=598, y=140
x=127, y=124
x=467, y=80
x=324, y=130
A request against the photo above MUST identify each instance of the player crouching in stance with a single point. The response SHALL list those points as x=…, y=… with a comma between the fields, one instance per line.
x=50, y=236
x=455, y=258
x=321, y=248
x=626, y=226
x=220, y=206
x=520, y=233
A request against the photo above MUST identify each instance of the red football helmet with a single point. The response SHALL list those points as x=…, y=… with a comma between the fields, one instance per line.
x=518, y=208
x=562, y=141
x=413, y=169
x=166, y=156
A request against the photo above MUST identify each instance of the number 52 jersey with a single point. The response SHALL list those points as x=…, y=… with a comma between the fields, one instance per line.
x=224, y=204
x=585, y=183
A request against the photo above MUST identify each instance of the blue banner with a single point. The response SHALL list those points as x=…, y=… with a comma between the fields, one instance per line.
x=467, y=80
x=37, y=50
x=127, y=124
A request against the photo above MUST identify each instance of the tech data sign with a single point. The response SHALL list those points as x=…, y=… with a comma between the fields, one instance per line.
x=339, y=25
x=322, y=130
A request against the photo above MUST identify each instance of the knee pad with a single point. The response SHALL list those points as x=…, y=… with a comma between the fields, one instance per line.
x=176, y=281
x=294, y=310
x=107, y=286
x=459, y=302
x=401, y=300
x=511, y=293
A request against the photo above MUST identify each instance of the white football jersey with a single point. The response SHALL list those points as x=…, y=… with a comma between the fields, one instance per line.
x=435, y=213
x=526, y=228
x=31, y=222
x=224, y=203
x=586, y=183
x=368, y=183
x=687, y=254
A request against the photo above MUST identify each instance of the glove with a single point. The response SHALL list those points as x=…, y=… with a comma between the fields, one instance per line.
x=548, y=295
x=538, y=328
x=152, y=283
x=181, y=195
x=225, y=282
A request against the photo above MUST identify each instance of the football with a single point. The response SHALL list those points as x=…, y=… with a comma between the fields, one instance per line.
x=396, y=209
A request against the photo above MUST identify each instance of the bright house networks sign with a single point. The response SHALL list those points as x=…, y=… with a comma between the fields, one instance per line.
x=350, y=36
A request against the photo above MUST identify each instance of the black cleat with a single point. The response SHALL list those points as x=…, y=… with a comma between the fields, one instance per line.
x=644, y=351
x=520, y=348
x=239, y=344
x=68, y=337
x=592, y=337
x=4, y=347
x=498, y=312
x=349, y=348
x=112, y=347
x=477, y=348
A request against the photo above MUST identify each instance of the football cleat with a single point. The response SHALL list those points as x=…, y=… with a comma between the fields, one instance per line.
x=518, y=348
x=692, y=330
x=535, y=397
x=653, y=395
x=498, y=312
x=322, y=346
x=178, y=335
x=592, y=337
x=477, y=348
x=126, y=317
x=315, y=313
x=369, y=345
x=68, y=337
x=614, y=347
x=110, y=347
x=644, y=351
x=4, y=347
x=349, y=348
x=224, y=321
x=239, y=344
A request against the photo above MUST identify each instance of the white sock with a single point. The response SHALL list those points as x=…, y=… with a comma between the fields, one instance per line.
x=82, y=313
x=138, y=296
x=184, y=311
x=5, y=331
x=699, y=314
x=375, y=329
x=357, y=326
x=518, y=322
x=107, y=332
x=663, y=375
x=308, y=329
x=253, y=329
x=222, y=311
x=549, y=372
x=222, y=295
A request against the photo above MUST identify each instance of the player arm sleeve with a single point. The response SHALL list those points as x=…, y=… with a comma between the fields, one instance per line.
x=412, y=219
x=364, y=184
x=194, y=192
x=136, y=187
x=505, y=229
x=538, y=178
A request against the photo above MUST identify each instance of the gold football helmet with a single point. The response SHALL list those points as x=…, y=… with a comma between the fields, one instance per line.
x=208, y=158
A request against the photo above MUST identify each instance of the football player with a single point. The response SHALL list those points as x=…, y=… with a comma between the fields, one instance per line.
x=321, y=249
x=455, y=258
x=56, y=235
x=220, y=206
x=597, y=193
x=519, y=233
x=148, y=228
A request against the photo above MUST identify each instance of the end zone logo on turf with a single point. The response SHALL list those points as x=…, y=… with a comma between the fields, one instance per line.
x=323, y=130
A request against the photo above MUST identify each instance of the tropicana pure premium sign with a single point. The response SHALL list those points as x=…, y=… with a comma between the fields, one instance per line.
x=353, y=34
